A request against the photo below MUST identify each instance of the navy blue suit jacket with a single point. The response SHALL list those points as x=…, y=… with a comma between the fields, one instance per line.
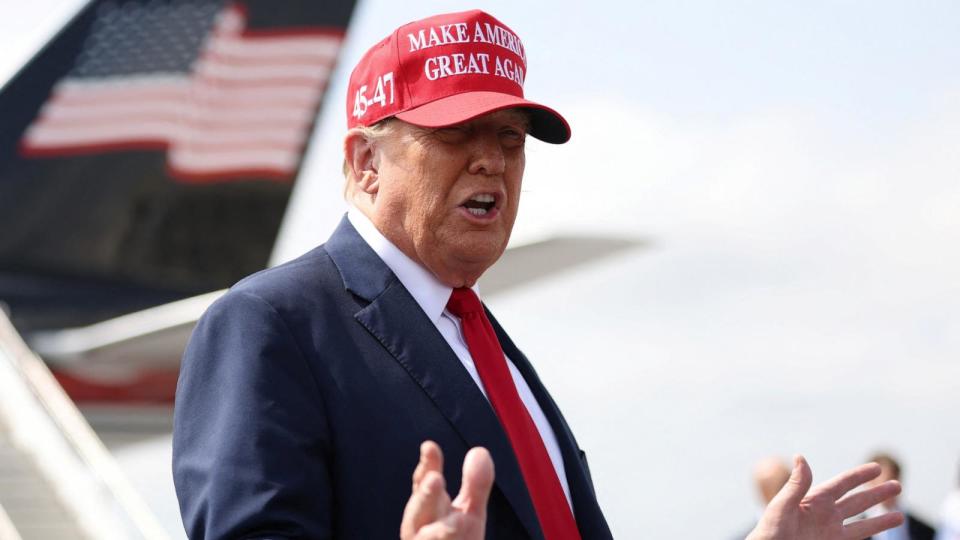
x=305, y=393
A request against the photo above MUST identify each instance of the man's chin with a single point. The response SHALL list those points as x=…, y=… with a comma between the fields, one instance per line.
x=482, y=251
x=477, y=257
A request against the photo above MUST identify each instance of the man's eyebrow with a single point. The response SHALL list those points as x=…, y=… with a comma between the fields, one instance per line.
x=523, y=118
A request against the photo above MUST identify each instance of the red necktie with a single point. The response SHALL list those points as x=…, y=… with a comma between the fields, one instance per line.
x=554, y=513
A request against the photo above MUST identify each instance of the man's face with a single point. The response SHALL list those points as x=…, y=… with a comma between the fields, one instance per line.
x=886, y=473
x=448, y=197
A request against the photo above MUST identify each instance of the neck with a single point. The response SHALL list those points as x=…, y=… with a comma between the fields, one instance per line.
x=455, y=278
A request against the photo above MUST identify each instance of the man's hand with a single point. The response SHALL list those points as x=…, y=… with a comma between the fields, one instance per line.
x=799, y=513
x=430, y=515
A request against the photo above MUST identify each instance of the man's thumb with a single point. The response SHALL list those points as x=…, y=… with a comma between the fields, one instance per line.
x=477, y=482
x=797, y=486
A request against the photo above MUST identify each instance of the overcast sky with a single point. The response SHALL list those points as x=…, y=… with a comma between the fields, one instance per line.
x=795, y=165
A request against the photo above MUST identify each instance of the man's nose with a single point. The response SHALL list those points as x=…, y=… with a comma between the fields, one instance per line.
x=486, y=154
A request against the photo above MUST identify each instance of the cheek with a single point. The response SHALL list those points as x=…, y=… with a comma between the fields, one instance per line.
x=515, y=172
x=392, y=199
x=426, y=212
x=434, y=193
x=514, y=185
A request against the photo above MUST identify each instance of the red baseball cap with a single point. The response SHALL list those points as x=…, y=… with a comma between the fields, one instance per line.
x=444, y=70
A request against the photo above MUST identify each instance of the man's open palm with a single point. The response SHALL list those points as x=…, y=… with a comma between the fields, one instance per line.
x=431, y=515
x=801, y=513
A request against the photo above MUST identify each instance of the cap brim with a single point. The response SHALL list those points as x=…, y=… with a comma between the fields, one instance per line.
x=546, y=123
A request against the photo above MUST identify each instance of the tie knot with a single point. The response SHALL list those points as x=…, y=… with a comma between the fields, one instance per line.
x=464, y=301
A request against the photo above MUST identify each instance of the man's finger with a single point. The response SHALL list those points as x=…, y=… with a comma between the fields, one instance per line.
x=478, y=477
x=431, y=459
x=865, y=528
x=428, y=501
x=427, y=504
x=839, y=485
x=856, y=503
x=796, y=487
x=438, y=530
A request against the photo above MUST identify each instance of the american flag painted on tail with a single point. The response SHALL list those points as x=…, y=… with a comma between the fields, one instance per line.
x=192, y=78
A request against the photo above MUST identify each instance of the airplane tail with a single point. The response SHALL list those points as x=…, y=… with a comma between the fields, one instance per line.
x=148, y=151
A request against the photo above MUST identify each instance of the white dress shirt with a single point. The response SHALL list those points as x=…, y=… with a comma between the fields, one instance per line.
x=432, y=296
x=949, y=528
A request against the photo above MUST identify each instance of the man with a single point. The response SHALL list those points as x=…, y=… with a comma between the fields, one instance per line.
x=913, y=528
x=307, y=390
x=770, y=474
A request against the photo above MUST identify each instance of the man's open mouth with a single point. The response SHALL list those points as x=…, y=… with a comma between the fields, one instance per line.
x=480, y=204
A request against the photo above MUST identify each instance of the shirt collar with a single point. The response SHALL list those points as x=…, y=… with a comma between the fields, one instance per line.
x=429, y=292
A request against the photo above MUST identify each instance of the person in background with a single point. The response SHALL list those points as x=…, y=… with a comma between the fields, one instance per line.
x=949, y=527
x=913, y=528
x=769, y=476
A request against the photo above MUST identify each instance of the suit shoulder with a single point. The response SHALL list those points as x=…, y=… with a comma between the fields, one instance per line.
x=276, y=305
x=306, y=294
x=919, y=528
x=309, y=276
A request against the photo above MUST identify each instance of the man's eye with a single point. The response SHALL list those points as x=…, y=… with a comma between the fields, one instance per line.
x=513, y=135
x=451, y=134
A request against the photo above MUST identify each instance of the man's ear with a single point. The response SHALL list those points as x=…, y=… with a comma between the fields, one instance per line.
x=360, y=155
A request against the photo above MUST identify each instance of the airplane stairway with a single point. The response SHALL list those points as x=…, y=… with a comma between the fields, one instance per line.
x=32, y=507
x=57, y=480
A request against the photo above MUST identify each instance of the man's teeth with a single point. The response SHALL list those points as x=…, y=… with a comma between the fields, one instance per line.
x=480, y=204
x=483, y=198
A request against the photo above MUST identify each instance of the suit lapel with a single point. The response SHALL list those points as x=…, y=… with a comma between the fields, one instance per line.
x=395, y=320
x=587, y=511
